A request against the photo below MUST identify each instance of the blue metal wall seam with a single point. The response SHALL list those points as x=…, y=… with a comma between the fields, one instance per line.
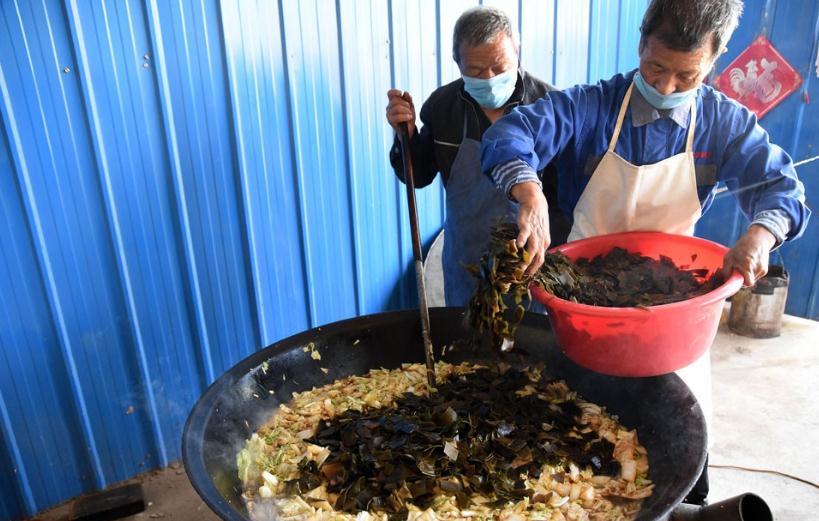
x=298, y=181
x=245, y=203
x=195, y=296
x=438, y=37
x=520, y=30
x=295, y=132
x=355, y=228
x=618, y=65
x=89, y=99
x=801, y=258
x=45, y=267
x=316, y=125
x=438, y=40
x=767, y=17
x=600, y=64
x=806, y=71
x=402, y=290
x=251, y=45
x=554, y=44
x=271, y=92
x=21, y=480
x=571, y=19
x=239, y=256
x=812, y=307
x=214, y=189
x=537, y=38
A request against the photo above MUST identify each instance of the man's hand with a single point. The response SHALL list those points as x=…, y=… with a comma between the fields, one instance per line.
x=533, y=222
x=750, y=255
x=400, y=109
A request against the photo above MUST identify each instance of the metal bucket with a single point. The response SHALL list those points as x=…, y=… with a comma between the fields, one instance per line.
x=757, y=311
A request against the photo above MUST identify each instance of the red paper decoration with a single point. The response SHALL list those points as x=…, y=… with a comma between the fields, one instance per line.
x=759, y=77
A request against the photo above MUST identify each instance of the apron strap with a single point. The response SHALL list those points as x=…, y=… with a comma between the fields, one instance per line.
x=466, y=123
x=692, y=124
x=620, y=117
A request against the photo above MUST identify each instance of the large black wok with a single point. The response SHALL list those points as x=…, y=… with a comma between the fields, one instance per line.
x=668, y=419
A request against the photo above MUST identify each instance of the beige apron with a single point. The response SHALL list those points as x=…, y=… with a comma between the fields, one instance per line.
x=660, y=197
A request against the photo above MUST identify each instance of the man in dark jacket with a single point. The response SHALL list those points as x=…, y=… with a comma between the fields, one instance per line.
x=454, y=119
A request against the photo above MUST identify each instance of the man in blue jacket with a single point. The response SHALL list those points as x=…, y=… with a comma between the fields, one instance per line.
x=644, y=150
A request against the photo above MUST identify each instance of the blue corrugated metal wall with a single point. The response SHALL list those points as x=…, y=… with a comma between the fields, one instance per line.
x=793, y=28
x=183, y=182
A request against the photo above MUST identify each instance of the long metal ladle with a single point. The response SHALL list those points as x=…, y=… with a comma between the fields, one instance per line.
x=409, y=181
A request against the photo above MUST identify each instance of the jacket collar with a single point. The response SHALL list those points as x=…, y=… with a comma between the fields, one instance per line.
x=643, y=113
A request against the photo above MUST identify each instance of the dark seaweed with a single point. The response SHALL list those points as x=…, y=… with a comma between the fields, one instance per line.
x=624, y=279
x=618, y=279
x=384, y=459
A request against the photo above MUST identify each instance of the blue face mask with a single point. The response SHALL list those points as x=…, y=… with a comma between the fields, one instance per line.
x=662, y=101
x=495, y=91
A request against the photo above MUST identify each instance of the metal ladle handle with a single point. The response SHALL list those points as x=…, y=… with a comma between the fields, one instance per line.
x=409, y=181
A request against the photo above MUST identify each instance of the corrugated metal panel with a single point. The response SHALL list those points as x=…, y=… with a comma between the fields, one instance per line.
x=186, y=181
x=571, y=43
x=315, y=81
x=614, y=37
x=375, y=210
x=189, y=55
x=537, y=38
x=793, y=28
x=265, y=165
x=65, y=213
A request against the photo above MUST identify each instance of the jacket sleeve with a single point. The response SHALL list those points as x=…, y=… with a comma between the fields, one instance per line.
x=527, y=139
x=762, y=177
x=424, y=164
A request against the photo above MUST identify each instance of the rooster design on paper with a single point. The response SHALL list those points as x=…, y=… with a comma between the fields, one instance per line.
x=762, y=86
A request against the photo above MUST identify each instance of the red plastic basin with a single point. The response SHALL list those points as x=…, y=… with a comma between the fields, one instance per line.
x=635, y=341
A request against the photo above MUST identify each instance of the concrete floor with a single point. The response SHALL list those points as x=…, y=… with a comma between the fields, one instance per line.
x=766, y=418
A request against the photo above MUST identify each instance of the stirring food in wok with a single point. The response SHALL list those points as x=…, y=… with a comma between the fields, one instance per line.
x=488, y=443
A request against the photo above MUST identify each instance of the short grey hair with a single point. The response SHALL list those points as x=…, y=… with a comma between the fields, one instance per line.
x=479, y=25
x=684, y=25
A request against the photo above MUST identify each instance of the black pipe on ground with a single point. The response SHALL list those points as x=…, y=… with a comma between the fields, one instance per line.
x=745, y=507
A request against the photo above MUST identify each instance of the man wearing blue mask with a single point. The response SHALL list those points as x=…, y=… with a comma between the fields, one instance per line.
x=645, y=150
x=454, y=118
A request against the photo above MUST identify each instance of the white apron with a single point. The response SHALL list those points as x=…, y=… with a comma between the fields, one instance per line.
x=660, y=197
